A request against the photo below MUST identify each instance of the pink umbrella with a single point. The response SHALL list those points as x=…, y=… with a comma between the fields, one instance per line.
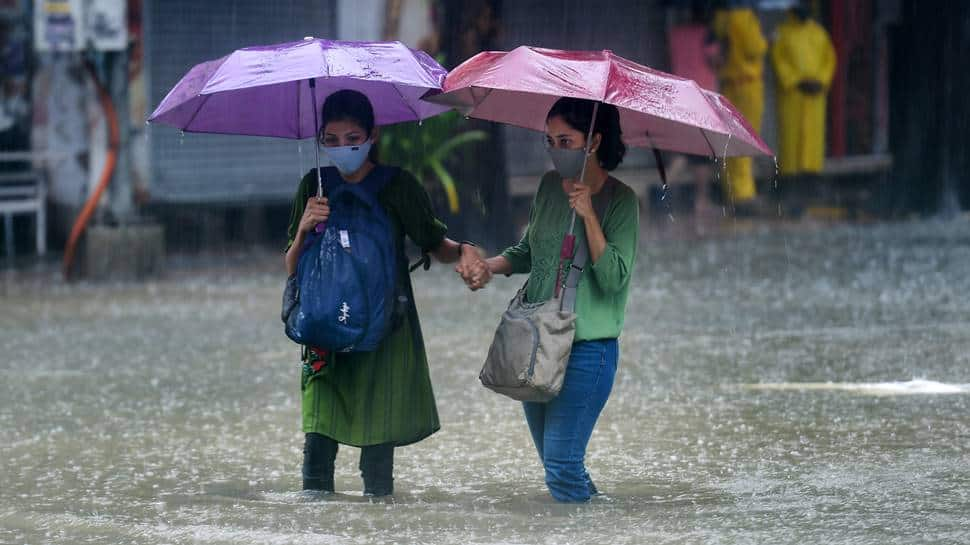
x=657, y=109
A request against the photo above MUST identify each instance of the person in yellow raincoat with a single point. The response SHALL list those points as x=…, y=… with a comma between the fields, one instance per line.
x=804, y=61
x=742, y=82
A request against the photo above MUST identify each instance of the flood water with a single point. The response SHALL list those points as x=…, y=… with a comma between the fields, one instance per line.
x=785, y=386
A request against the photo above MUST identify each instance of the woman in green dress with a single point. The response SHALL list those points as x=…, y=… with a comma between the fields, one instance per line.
x=373, y=400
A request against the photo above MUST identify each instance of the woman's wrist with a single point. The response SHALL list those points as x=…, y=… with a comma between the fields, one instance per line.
x=461, y=247
x=498, y=265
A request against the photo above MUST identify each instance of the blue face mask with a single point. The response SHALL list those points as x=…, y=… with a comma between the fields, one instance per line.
x=348, y=159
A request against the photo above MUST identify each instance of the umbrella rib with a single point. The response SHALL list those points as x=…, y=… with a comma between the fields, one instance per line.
x=488, y=92
x=708, y=140
x=196, y=113
x=406, y=103
x=650, y=138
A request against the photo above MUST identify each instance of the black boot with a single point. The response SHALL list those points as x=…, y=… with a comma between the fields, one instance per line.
x=377, y=469
x=319, y=453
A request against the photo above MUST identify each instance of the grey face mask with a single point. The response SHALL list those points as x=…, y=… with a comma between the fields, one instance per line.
x=568, y=162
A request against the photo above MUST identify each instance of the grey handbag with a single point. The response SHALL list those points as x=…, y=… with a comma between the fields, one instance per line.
x=530, y=351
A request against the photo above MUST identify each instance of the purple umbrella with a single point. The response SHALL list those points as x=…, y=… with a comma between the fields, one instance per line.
x=276, y=90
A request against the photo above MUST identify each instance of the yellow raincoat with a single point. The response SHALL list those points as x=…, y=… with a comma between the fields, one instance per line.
x=742, y=82
x=802, y=51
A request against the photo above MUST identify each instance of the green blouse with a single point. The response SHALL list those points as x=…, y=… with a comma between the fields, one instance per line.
x=385, y=396
x=605, y=284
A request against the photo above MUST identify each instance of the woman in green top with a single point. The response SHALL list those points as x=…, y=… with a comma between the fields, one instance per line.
x=562, y=427
x=374, y=400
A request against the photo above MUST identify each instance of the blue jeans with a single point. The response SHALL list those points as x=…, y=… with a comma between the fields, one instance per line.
x=561, y=428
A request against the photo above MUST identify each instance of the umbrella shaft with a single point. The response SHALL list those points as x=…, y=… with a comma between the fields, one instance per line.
x=316, y=134
x=316, y=148
x=582, y=173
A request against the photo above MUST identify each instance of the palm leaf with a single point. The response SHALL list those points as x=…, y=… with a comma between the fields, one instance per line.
x=447, y=182
x=456, y=141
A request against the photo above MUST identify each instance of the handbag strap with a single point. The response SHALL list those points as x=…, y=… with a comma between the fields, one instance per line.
x=601, y=203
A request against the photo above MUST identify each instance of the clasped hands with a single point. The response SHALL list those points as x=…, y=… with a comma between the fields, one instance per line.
x=473, y=268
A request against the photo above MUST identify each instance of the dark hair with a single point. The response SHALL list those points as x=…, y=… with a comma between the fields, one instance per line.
x=348, y=105
x=578, y=112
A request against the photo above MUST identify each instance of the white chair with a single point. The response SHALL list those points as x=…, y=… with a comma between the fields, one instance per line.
x=24, y=192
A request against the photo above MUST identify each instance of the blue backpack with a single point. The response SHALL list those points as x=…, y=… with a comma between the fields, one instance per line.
x=342, y=297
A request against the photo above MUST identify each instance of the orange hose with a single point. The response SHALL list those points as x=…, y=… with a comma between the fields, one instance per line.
x=106, y=174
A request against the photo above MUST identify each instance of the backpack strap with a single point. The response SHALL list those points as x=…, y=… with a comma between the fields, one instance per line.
x=327, y=174
x=382, y=175
x=376, y=183
x=601, y=203
x=366, y=191
x=424, y=262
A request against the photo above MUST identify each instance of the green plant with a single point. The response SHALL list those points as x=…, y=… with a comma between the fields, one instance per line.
x=424, y=148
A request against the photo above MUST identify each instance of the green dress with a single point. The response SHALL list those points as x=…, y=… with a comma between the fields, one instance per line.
x=385, y=396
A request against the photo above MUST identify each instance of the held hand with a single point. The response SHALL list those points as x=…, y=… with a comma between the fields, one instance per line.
x=475, y=275
x=480, y=276
x=478, y=279
x=581, y=202
x=473, y=269
x=317, y=210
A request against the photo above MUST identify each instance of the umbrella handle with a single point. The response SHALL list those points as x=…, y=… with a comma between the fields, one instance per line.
x=566, y=252
x=658, y=157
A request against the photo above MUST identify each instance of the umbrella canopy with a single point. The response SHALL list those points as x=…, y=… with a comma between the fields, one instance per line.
x=266, y=90
x=657, y=109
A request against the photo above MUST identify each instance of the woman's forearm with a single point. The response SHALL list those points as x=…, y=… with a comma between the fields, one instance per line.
x=499, y=265
x=595, y=238
x=448, y=252
x=293, y=254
